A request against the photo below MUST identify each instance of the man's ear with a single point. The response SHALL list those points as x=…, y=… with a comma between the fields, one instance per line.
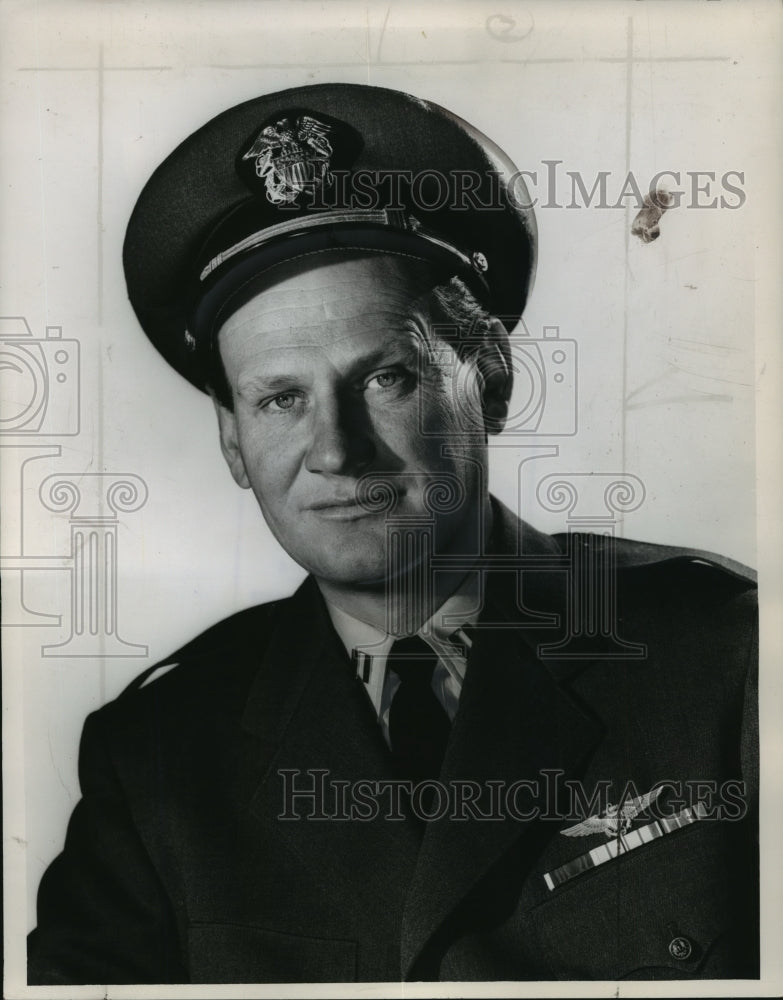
x=494, y=363
x=229, y=444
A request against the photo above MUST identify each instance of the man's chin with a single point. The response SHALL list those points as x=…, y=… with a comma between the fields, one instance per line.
x=356, y=574
x=342, y=566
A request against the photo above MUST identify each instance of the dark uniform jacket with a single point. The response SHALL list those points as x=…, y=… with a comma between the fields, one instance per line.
x=177, y=867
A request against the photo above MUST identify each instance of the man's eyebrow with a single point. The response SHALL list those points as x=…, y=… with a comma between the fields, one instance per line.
x=406, y=353
x=255, y=384
x=389, y=354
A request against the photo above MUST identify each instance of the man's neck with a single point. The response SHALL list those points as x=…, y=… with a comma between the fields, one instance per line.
x=402, y=605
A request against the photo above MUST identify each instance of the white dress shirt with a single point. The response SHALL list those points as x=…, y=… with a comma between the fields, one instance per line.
x=443, y=632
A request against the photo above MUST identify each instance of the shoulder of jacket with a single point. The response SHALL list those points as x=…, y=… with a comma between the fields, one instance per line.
x=216, y=641
x=629, y=553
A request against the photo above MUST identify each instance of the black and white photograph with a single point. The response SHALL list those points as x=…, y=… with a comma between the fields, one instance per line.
x=390, y=433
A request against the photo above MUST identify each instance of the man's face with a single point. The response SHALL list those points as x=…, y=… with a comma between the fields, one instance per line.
x=335, y=375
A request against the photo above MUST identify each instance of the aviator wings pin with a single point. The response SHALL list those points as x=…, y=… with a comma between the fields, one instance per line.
x=615, y=823
x=616, y=820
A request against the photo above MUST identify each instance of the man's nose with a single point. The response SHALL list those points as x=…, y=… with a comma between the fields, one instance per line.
x=342, y=440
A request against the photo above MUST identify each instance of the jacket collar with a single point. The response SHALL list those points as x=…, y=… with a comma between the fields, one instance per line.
x=306, y=710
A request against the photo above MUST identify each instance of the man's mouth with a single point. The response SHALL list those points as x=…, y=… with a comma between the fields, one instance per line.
x=340, y=509
x=382, y=497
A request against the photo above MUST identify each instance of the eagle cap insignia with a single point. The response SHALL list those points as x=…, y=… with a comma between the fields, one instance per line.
x=291, y=156
x=617, y=820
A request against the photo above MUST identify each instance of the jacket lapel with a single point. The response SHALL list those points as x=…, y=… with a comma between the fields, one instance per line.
x=308, y=712
x=515, y=719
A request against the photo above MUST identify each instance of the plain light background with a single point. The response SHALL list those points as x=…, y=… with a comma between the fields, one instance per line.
x=97, y=94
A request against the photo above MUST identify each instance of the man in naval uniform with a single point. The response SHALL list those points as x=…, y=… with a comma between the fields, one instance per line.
x=407, y=770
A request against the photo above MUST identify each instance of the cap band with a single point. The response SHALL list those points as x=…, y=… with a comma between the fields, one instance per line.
x=269, y=233
x=383, y=218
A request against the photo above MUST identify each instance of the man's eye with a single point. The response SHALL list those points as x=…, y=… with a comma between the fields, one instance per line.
x=285, y=401
x=385, y=380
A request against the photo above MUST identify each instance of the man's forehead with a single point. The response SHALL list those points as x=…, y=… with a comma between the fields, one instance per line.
x=336, y=301
x=372, y=338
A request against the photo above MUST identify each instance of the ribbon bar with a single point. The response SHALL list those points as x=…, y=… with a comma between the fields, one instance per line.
x=622, y=844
